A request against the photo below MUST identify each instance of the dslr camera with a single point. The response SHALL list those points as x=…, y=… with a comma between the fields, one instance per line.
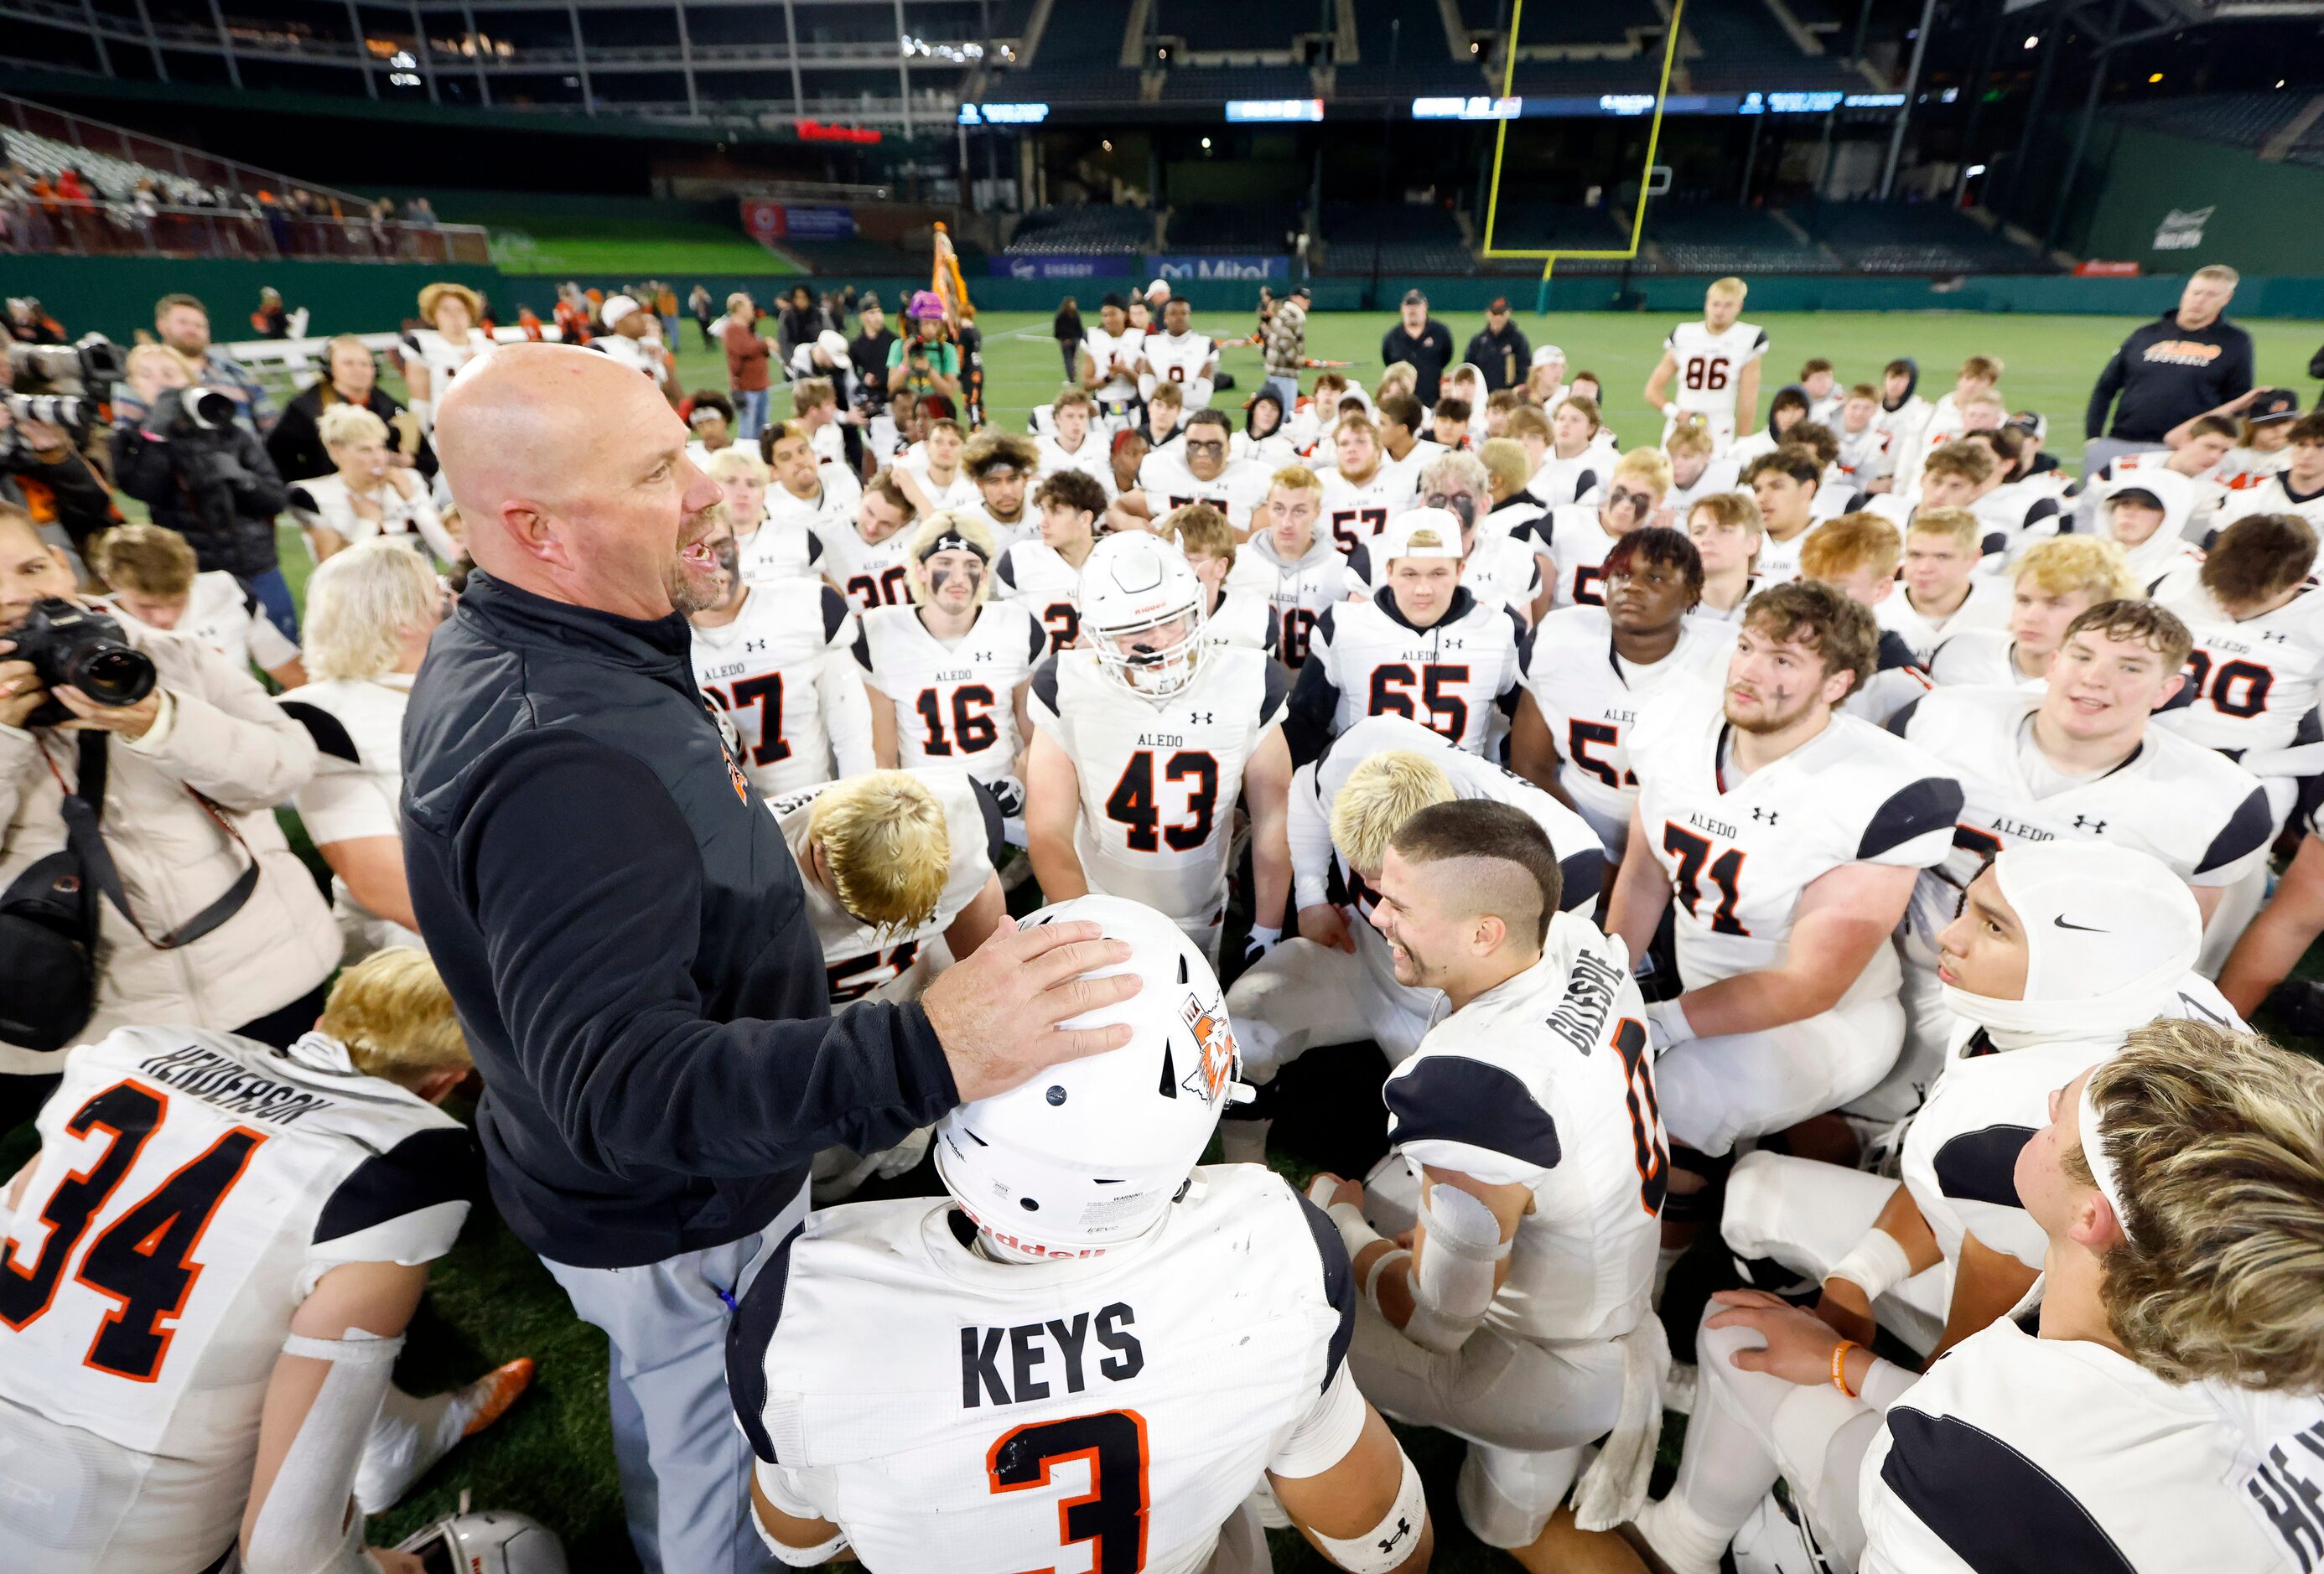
x=63, y=384
x=70, y=644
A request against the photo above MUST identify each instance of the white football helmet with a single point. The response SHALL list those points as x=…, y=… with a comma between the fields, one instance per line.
x=488, y=1542
x=1132, y=584
x=1088, y=1154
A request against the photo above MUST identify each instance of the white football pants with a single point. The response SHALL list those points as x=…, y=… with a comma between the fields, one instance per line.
x=1302, y=994
x=1715, y=1091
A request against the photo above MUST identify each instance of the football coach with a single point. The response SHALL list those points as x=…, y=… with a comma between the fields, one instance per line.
x=623, y=928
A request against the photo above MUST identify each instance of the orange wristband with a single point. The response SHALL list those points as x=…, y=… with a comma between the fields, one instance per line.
x=1838, y=1365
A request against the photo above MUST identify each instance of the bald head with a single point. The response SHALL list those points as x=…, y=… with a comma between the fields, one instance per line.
x=570, y=471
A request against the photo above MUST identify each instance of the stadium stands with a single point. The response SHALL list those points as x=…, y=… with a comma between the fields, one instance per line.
x=1918, y=237
x=1243, y=226
x=1075, y=59
x=1100, y=231
x=1208, y=28
x=1721, y=238
x=1743, y=47
x=2242, y=120
x=1408, y=239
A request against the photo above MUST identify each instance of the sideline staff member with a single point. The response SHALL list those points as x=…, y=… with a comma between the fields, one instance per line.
x=624, y=933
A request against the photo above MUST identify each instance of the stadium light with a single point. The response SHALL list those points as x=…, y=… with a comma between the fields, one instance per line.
x=1206, y=145
x=2032, y=39
x=1273, y=109
x=2157, y=76
x=1974, y=171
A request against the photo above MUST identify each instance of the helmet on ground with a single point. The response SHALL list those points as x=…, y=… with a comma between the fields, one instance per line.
x=1134, y=586
x=1090, y=1155
x=489, y=1541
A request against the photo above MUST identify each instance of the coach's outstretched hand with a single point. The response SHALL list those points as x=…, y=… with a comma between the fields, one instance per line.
x=997, y=1013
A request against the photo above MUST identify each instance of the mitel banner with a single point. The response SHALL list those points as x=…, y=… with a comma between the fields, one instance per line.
x=1061, y=267
x=1247, y=267
x=774, y=221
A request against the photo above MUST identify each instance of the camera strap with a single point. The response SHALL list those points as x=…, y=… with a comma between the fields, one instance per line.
x=84, y=809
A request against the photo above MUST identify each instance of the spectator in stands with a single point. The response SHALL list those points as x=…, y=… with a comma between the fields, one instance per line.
x=2191, y=361
x=365, y=496
x=350, y=377
x=747, y=376
x=869, y=350
x=51, y=480
x=1420, y=342
x=1499, y=350
x=217, y=924
x=183, y=324
x=1066, y=328
x=213, y=486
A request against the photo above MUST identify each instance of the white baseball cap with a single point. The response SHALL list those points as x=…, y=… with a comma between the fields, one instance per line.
x=832, y=344
x=616, y=311
x=1159, y=290
x=1548, y=354
x=1419, y=532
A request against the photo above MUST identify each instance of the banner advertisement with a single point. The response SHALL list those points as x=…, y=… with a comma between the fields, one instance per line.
x=1236, y=267
x=1061, y=267
x=775, y=221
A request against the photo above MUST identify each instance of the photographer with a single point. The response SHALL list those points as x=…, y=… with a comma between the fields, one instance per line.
x=51, y=480
x=350, y=376
x=204, y=477
x=212, y=920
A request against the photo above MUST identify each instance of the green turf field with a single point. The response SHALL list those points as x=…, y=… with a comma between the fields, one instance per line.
x=649, y=252
x=491, y=1301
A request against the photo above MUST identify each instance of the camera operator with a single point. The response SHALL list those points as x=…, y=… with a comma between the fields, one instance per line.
x=182, y=323
x=350, y=376
x=212, y=920
x=51, y=480
x=205, y=477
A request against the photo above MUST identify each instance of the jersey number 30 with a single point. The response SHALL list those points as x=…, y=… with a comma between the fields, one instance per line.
x=143, y=1261
x=1111, y=1514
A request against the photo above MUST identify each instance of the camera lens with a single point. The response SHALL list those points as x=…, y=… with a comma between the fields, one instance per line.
x=113, y=675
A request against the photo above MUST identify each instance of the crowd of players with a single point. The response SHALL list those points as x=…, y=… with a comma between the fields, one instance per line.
x=1847, y=836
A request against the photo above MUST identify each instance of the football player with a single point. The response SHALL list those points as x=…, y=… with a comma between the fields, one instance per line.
x=1335, y=983
x=2013, y=512
x=1179, y=356
x=931, y=470
x=2079, y=762
x=1498, y=569
x=814, y=405
x=2296, y=489
x=2161, y=1417
x=1089, y=1342
x=1518, y=1316
x=1568, y=460
x=2051, y=584
x=1571, y=544
x=1230, y=616
x=1400, y=419
x=1858, y=555
x=1946, y=420
x=1166, y=419
x=1589, y=668
x=1715, y=363
x=208, y=1269
x=1943, y=593
x=1513, y=508
x=947, y=677
x=1362, y=491
x=772, y=658
x=864, y=561
x=808, y=497
x=1202, y=474
x=1290, y=562
x=1072, y=446
x=1044, y=575
x=2259, y=643
x=1143, y=741
x=2262, y=442
x=1695, y=473
x=1726, y=528
x=1789, y=836
x=1001, y=464
x=1107, y=366
x=1863, y=441
x=1784, y=483
x=153, y=576
x=763, y=550
x=1421, y=646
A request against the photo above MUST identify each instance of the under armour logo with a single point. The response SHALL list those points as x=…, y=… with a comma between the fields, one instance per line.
x=1199, y=718
x=750, y=645
x=1767, y=816
x=2277, y=635
x=1403, y=1529
x=2095, y=827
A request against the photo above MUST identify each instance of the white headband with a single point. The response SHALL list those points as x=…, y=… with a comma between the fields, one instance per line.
x=2101, y=1168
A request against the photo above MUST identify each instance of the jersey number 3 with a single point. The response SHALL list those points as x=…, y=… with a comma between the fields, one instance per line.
x=143, y=1261
x=1111, y=1514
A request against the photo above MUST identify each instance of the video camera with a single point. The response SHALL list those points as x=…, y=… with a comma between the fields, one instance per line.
x=63, y=384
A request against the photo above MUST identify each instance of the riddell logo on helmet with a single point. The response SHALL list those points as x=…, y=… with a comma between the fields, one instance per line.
x=1216, y=1041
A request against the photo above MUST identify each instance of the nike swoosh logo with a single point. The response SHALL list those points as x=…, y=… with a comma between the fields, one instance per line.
x=2088, y=929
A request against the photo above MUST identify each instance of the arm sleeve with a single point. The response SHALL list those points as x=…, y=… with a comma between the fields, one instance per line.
x=288, y=443
x=2109, y=384
x=343, y=804
x=1324, y=1436
x=847, y=709
x=1314, y=701
x=430, y=526
x=1308, y=828
x=593, y=978
x=141, y=466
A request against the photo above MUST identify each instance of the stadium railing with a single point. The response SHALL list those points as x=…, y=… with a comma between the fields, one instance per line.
x=116, y=228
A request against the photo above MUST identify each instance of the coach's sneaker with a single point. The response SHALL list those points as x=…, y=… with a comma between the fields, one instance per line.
x=409, y=1435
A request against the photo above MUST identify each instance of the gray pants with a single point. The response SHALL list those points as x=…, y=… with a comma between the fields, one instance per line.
x=1287, y=389
x=2097, y=451
x=685, y=1464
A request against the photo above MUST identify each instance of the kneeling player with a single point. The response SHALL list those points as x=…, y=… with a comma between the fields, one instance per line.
x=1090, y=1341
x=208, y=1274
x=1143, y=741
x=1519, y=1318
x=1335, y=983
x=1791, y=835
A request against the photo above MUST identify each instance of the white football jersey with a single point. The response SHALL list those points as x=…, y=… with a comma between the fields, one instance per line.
x=1547, y=1081
x=1298, y=591
x=227, y=618
x=870, y=574
x=1037, y=577
x=2273, y=496
x=2254, y=683
x=1589, y=696
x=2279, y=1470
x=2244, y=468
x=1007, y=533
x=1094, y=458
x=760, y=672
x=1710, y=365
x=1117, y=355
x=829, y=511
x=1357, y=511
x=191, y=1190
x=959, y=492
x=956, y=700
x=1239, y=487
x=1561, y=482
x=2204, y=816
x=2011, y=1442
x=1184, y=359
x=861, y=962
x=1160, y=776
x=1981, y=659
x=1240, y=617
x=1778, y=562
x=357, y=789
x=1739, y=853
x=1987, y=607
x=443, y=359
x=1499, y=570
x=1572, y=537
x=785, y=549
x=1719, y=476
x=1366, y=660
x=947, y=1411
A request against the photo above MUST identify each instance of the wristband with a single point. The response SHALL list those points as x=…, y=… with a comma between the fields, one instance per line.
x=1668, y=1017
x=1840, y=1366
x=1354, y=1233
x=1875, y=1264
x=1372, y=1279
x=1670, y=409
x=1264, y=937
